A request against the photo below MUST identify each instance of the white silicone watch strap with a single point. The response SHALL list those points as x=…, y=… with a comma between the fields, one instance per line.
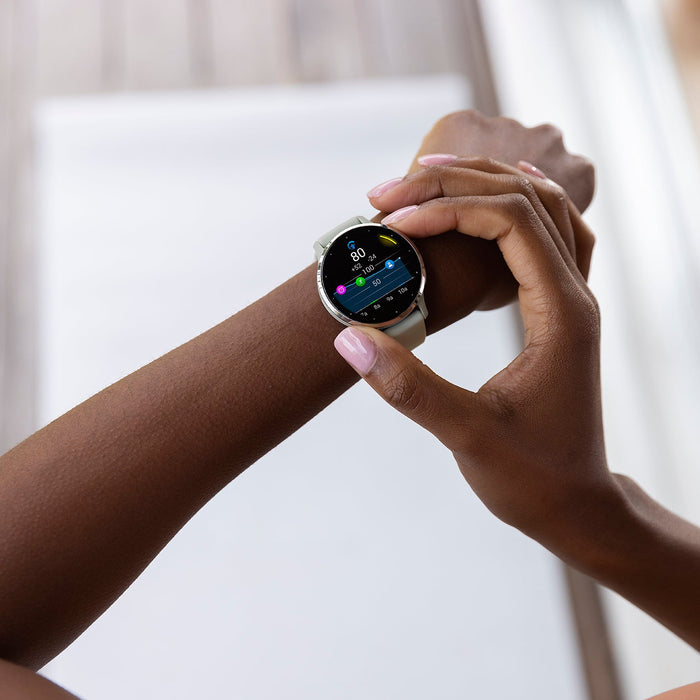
x=411, y=331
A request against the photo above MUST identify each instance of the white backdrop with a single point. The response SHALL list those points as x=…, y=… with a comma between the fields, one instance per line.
x=354, y=568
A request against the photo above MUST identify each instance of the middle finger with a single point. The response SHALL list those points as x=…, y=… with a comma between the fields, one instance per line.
x=466, y=176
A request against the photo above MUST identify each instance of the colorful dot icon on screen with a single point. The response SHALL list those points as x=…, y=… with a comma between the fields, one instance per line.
x=340, y=290
x=360, y=281
x=390, y=264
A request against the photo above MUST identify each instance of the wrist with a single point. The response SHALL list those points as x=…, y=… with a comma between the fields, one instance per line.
x=602, y=533
x=460, y=274
x=634, y=546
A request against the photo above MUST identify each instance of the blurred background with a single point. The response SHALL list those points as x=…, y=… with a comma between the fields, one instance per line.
x=165, y=163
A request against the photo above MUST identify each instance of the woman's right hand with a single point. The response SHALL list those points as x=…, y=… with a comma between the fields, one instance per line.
x=530, y=441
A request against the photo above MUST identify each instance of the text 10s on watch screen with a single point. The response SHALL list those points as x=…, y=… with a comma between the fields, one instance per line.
x=371, y=274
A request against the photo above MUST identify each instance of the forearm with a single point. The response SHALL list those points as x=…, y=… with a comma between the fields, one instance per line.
x=634, y=546
x=19, y=683
x=88, y=501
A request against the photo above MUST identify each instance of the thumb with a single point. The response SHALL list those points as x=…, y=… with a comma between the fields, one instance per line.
x=408, y=385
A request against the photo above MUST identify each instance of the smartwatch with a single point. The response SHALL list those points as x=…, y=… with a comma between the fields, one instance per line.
x=370, y=275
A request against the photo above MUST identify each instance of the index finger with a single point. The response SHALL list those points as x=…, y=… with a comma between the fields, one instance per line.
x=481, y=175
x=547, y=284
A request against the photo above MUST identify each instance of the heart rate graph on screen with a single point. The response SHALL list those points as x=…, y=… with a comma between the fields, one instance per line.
x=360, y=292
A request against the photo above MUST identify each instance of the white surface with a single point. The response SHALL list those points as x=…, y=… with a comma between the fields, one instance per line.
x=360, y=568
x=604, y=75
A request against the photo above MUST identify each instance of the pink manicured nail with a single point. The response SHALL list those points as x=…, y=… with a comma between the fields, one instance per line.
x=530, y=169
x=357, y=349
x=379, y=190
x=399, y=214
x=437, y=159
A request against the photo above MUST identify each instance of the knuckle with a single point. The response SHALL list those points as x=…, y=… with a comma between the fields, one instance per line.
x=589, y=172
x=440, y=176
x=585, y=233
x=524, y=186
x=518, y=207
x=558, y=196
x=555, y=198
x=457, y=119
x=551, y=131
x=590, y=313
x=583, y=325
x=583, y=166
x=586, y=175
x=593, y=309
x=402, y=390
x=482, y=163
x=430, y=182
x=508, y=122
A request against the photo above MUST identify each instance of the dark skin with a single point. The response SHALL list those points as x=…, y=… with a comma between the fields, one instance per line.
x=89, y=500
x=530, y=441
x=501, y=139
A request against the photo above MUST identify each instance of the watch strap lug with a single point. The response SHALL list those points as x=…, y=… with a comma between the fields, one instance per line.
x=322, y=243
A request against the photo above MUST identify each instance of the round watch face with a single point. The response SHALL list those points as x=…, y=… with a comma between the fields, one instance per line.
x=371, y=274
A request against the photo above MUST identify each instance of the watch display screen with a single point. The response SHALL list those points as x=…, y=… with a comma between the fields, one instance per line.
x=371, y=274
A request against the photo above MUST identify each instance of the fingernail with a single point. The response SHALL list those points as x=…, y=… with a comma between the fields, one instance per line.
x=437, y=159
x=531, y=169
x=379, y=190
x=399, y=214
x=357, y=349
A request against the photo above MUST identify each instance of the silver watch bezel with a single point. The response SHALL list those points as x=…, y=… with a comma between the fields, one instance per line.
x=417, y=303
